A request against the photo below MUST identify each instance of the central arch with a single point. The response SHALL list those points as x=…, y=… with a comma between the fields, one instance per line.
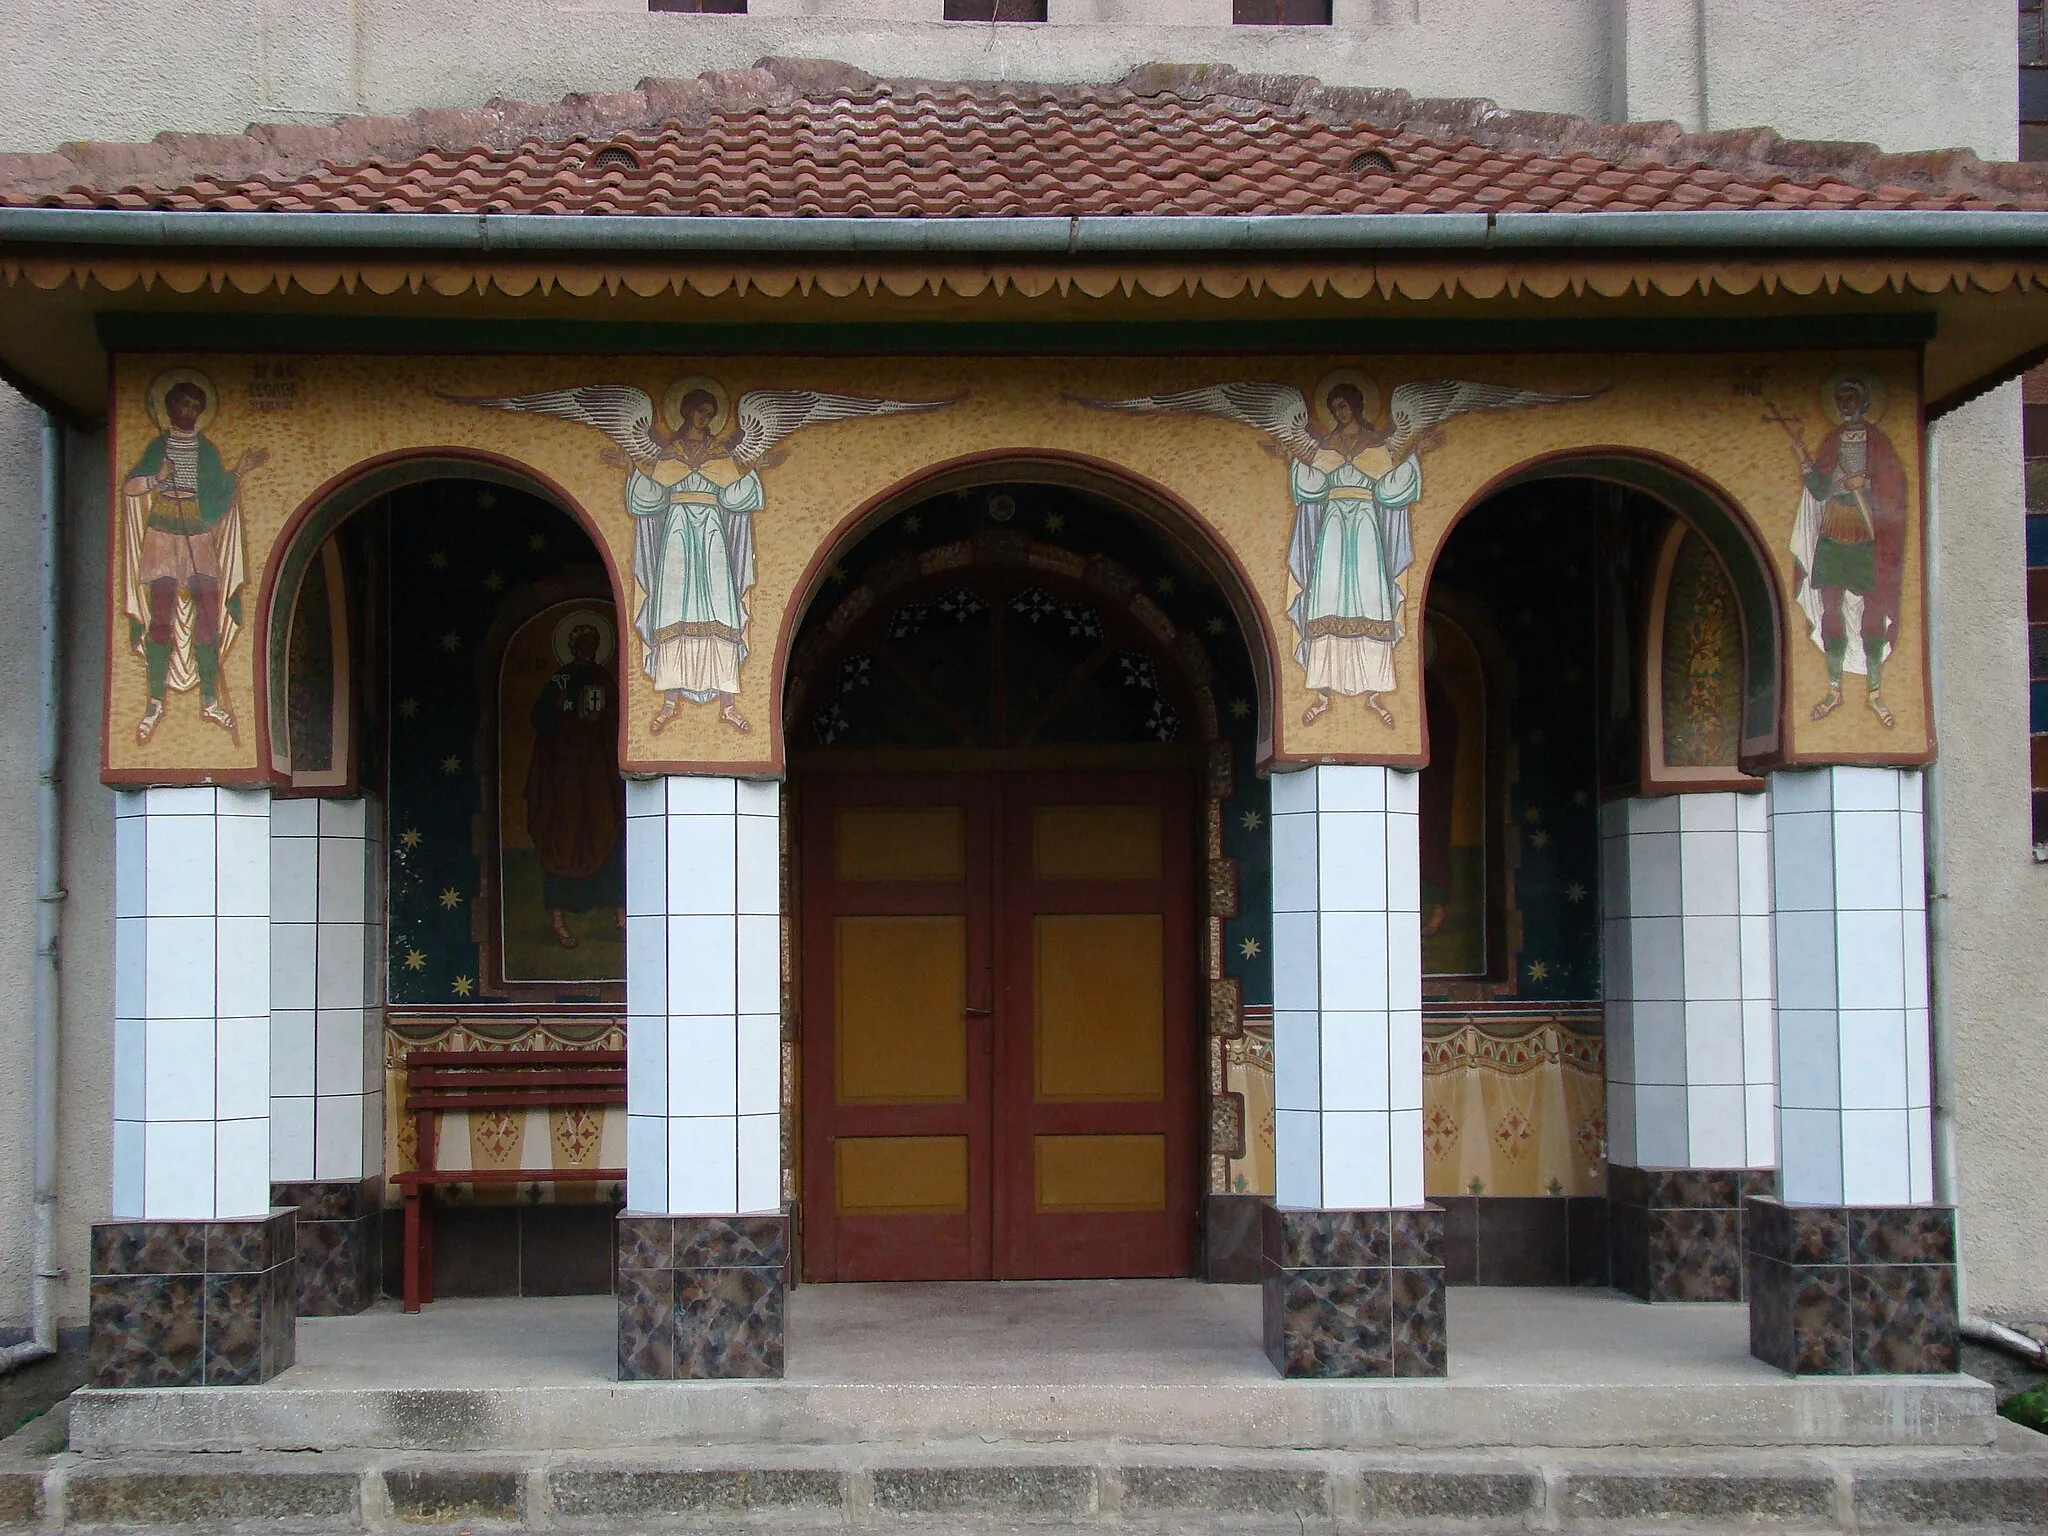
x=1008, y=713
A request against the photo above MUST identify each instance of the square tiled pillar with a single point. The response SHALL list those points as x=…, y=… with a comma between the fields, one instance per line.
x=1351, y=1256
x=702, y=1235
x=1691, y=1096
x=189, y=1283
x=326, y=1038
x=1852, y=1268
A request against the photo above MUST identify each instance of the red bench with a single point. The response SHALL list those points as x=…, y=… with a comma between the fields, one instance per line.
x=481, y=1082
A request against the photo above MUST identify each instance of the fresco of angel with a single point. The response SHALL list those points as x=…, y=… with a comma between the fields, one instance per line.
x=1354, y=483
x=692, y=489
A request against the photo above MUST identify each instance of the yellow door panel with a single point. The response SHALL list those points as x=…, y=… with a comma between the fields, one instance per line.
x=1095, y=842
x=1100, y=1173
x=901, y=1175
x=886, y=843
x=1100, y=988
x=900, y=1029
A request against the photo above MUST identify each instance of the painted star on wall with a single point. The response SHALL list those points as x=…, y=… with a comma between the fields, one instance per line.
x=438, y=560
x=1240, y=709
x=1539, y=970
x=415, y=959
x=1251, y=821
x=451, y=898
x=1575, y=893
x=409, y=709
x=451, y=765
x=412, y=837
x=493, y=581
x=1539, y=839
x=451, y=642
x=1249, y=948
x=463, y=985
x=536, y=542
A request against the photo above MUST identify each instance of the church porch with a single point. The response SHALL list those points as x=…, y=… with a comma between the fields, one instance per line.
x=1158, y=1363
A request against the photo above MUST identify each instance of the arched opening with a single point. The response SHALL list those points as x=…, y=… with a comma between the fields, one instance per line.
x=1029, y=884
x=442, y=647
x=1611, y=629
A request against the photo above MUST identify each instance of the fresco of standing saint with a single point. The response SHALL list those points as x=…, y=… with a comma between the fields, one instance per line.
x=1849, y=538
x=692, y=489
x=1353, y=482
x=182, y=557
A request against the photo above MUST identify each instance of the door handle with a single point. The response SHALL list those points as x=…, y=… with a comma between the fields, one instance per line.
x=979, y=1013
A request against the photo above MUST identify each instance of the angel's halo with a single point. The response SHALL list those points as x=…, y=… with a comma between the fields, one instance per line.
x=1874, y=396
x=672, y=401
x=1319, y=401
x=165, y=382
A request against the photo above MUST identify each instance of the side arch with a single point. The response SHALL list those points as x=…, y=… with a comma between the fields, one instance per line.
x=333, y=504
x=1146, y=500
x=1729, y=530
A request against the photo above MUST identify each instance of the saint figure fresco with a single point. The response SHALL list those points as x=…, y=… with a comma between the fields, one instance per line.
x=692, y=489
x=182, y=556
x=1353, y=481
x=575, y=798
x=1849, y=538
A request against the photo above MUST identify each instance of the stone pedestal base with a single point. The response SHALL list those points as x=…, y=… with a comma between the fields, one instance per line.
x=1675, y=1234
x=700, y=1296
x=1354, y=1293
x=340, y=1243
x=193, y=1303
x=1860, y=1290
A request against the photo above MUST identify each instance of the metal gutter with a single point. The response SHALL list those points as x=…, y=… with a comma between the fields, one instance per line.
x=1088, y=235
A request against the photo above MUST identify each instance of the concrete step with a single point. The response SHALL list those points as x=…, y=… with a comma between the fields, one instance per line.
x=1100, y=1486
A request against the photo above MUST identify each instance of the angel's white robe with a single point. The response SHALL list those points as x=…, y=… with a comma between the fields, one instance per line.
x=1352, y=541
x=693, y=556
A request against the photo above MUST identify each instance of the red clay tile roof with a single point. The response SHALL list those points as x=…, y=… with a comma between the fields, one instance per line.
x=797, y=139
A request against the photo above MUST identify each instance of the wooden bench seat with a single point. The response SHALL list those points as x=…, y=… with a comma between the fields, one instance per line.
x=482, y=1082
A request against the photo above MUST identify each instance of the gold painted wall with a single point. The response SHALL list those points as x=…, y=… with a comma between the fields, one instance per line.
x=756, y=468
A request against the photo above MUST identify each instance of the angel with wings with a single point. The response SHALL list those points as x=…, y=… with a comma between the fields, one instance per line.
x=1353, y=484
x=693, y=489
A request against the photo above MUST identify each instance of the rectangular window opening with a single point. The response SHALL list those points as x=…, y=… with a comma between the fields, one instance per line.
x=1280, y=13
x=995, y=10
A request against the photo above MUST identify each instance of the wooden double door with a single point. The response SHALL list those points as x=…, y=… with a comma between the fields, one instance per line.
x=999, y=1039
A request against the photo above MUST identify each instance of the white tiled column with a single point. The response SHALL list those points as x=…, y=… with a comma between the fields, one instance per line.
x=191, y=1004
x=1686, y=893
x=326, y=990
x=1347, y=988
x=1849, y=882
x=703, y=996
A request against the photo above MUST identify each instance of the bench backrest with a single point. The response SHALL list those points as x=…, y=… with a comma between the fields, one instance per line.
x=508, y=1080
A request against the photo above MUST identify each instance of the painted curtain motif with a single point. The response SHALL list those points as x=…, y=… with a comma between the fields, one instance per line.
x=1849, y=537
x=561, y=799
x=182, y=556
x=1354, y=481
x=692, y=489
x=1699, y=661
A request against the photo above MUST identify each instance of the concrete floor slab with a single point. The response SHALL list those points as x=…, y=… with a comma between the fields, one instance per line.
x=1141, y=1362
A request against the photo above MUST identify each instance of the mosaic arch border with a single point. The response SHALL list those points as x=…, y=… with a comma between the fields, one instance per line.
x=1729, y=529
x=1137, y=495
x=330, y=506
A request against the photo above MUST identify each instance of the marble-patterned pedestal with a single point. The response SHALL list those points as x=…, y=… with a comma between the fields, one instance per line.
x=1354, y=1293
x=193, y=1303
x=1859, y=1290
x=700, y=1296
x=340, y=1243
x=1676, y=1234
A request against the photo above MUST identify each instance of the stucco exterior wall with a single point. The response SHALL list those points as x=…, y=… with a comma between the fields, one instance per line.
x=1902, y=73
x=1998, y=896
x=20, y=453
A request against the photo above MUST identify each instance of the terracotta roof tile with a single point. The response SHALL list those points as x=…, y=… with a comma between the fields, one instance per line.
x=808, y=140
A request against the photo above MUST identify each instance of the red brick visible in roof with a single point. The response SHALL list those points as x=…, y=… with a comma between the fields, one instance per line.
x=808, y=140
